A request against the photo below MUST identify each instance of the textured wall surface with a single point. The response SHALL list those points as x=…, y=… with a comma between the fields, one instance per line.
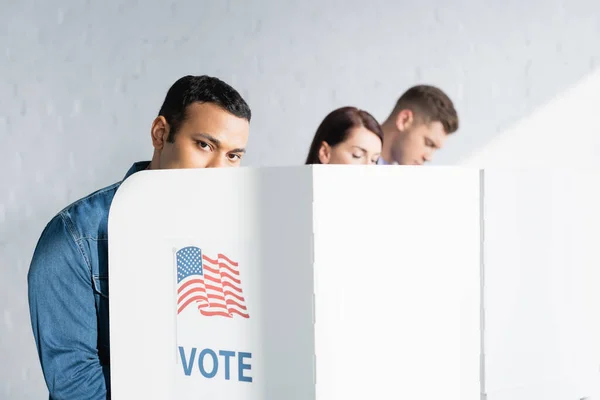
x=80, y=82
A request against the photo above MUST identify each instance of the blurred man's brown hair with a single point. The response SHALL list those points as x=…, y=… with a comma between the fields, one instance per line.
x=429, y=104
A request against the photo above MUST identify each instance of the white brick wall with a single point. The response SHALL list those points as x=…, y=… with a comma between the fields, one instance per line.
x=80, y=82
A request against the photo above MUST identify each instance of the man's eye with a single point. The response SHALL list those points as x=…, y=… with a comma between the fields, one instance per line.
x=357, y=156
x=203, y=144
x=235, y=156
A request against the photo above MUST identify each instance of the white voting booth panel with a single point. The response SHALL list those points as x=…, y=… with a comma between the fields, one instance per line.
x=542, y=280
x=397, y=273
x=259, y=219
x=296, y=283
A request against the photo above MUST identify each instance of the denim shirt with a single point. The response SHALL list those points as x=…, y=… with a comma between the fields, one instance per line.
x=68, y=298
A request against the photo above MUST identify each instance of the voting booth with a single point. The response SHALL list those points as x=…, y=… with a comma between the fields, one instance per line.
x=336, y=282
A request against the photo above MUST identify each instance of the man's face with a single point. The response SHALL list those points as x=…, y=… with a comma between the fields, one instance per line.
x=417, y=143
x=210, y=137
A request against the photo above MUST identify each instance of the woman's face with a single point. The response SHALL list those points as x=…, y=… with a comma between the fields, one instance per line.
x=361, y=147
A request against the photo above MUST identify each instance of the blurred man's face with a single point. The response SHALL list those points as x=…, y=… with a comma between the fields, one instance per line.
x=210, y=137
x=417, y=142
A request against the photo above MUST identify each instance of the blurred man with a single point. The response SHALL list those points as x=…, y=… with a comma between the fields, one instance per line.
x=203, y=123
x=419, y=125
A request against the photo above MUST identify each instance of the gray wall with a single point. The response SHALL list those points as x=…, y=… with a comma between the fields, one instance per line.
x=80, y=82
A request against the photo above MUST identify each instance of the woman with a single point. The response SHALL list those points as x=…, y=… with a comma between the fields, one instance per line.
x=346, y=136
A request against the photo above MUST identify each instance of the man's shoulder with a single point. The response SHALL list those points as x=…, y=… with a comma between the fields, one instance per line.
x=87, y=218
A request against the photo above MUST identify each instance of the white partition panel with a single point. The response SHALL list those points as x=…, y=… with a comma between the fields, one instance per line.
x=260, y=220
x=541, y=284
x=397, y=271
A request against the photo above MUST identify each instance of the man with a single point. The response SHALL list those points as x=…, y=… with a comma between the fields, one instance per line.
x=203, y=123
x=419, y=125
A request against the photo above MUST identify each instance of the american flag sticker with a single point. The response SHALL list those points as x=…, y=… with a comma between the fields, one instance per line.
x=211, y=284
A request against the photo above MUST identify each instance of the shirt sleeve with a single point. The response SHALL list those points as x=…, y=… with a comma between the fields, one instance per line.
x=63, y=316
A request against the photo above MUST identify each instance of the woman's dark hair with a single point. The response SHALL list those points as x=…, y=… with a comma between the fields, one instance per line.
x=335, y=128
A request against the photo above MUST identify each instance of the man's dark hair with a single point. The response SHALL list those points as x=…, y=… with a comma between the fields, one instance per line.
x=200, y=89
x=429, y=104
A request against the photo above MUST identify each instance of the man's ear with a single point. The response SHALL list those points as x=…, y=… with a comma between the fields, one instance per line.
x=324, y=153
x=404, y=120
x=159, y=132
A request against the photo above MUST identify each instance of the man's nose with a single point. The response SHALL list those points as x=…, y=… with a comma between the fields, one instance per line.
x=428, y=156
x=217, y=161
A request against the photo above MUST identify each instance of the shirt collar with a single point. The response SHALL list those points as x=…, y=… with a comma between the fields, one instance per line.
x=137, y=167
